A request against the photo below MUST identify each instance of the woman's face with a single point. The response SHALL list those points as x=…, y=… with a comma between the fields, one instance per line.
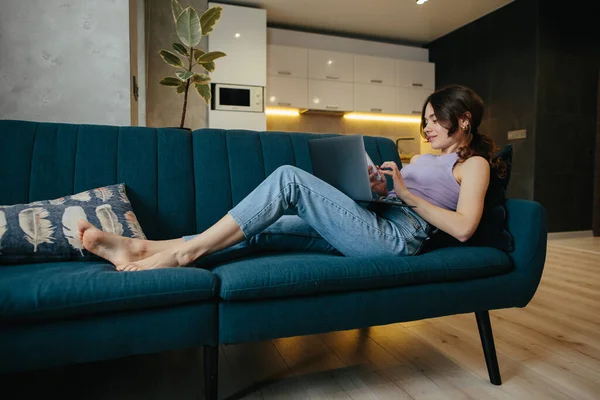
x=437, y=135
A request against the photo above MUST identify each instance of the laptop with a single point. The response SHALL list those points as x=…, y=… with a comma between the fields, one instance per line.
x=342, y=161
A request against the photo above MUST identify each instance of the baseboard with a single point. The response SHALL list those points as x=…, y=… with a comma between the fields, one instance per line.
x=570, y=235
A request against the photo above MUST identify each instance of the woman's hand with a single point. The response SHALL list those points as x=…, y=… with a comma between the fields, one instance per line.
x=393, y=171
x=377, y=186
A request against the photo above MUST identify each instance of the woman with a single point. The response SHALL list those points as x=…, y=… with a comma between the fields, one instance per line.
x=447, y=190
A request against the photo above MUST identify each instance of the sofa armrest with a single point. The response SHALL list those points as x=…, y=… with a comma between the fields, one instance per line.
x=527, y=222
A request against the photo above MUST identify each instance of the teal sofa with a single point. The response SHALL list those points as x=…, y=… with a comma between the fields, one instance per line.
x=181, y=182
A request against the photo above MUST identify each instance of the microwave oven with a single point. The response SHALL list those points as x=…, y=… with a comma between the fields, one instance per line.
x=228, y=97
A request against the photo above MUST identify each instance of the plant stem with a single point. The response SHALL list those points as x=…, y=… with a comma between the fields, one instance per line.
x=187, y=87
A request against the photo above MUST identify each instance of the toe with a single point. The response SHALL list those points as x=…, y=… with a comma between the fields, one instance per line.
x=131, y=267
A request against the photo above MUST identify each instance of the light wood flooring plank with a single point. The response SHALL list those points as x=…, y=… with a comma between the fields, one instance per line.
x=355, y=347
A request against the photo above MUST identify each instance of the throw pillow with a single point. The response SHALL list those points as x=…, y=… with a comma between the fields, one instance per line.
x=47, y=230
x=492, y=231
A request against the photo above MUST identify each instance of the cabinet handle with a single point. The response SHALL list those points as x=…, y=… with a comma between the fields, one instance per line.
x=284, y=104
x=416, y=112
x=376, y=81
x=417, y=84
x=332, y=77
x=332, y=107
x=284, y=72
x=376, y=110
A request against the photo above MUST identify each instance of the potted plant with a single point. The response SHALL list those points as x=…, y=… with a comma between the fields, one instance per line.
x=190, y=28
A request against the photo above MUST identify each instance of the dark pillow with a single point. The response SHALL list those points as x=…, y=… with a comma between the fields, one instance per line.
x=492, y=231
x=47, y=230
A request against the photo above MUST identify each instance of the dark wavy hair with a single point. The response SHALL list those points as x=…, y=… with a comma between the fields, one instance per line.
x=452, y=102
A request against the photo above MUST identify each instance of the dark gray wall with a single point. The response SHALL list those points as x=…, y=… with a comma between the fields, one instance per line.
x=596, y=212
x=500, y=65
x=566, y=113
x=536, y=68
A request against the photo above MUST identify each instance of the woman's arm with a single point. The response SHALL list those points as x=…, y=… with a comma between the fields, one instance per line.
x=462, y=223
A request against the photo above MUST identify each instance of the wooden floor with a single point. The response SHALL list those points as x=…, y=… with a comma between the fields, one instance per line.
x=548, y=350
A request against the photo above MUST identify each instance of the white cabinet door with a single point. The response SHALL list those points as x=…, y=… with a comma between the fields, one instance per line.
x=329, y=65
x=417, y=74
x=374, y=98
x=237, y=120
x=375, y=70
x=333, y=96
x=287, y=61
x=410, y=100
x=287, y=92
x=242, y=34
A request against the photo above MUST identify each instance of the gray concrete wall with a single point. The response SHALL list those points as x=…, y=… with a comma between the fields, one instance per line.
x=65, y=61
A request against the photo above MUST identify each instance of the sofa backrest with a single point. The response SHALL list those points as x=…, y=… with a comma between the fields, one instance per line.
x=179, y=182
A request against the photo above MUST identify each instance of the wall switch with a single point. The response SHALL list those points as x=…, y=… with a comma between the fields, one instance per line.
x=518, y=134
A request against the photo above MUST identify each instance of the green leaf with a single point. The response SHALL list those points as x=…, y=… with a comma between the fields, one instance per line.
x=197, y=54
x=170, y=81
x=209, y=66
x=171, y=58
x=209, y=19
x=184, y=75
x=181, y=49
x=211, y=56
x=188, y=27
x=181, y=87
x=176, y=9
x=201, y=79
x=203, y=91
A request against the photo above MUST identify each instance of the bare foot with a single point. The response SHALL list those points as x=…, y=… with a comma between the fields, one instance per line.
x=177, y=256
x=117, y=249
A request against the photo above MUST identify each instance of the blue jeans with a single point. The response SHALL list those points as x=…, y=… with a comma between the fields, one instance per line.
x=326, y=220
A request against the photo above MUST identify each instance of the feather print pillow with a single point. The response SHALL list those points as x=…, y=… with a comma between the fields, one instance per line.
x=47, y=230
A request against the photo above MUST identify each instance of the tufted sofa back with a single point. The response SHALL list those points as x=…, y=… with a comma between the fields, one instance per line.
x=179, y=182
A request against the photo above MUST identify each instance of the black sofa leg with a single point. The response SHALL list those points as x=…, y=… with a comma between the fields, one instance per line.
x=489, y=350
x=211, y=372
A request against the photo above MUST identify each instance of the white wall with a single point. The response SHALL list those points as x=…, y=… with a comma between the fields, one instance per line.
x=345, y=45
x=65, y=61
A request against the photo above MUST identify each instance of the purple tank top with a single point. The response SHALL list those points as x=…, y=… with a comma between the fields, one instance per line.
x=430, y=177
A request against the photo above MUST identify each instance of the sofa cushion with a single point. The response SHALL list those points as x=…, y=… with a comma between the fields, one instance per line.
x=284, y=275
x=63, y=289
x=46, y=230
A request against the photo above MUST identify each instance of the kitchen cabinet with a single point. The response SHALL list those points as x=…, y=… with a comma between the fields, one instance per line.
x=332, y=96
x=374, y=98
x=331, y=66
x=287, y=61
x=329, y=80
x=242, y=34
x=415, y=74
x=410, y=100
x=287, y=92
x=374, y=70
